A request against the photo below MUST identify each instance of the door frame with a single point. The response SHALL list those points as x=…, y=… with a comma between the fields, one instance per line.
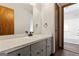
x=61, y=42
x=56, y=27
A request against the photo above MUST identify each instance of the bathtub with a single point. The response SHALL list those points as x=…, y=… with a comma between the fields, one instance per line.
x=71, y=37
x=12, y=36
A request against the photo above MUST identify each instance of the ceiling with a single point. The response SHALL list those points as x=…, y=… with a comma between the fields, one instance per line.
x=62, y=4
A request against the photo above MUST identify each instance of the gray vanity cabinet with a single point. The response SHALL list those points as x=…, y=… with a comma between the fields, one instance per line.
x=21, y=52
x=39, y=48
x=49, y=46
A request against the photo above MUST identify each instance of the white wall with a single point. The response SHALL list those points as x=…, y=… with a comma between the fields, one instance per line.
x=71, y=34
x=23, y=14
x=37, y=18
x=71, y=24
x=48, y=16
x=44, y=13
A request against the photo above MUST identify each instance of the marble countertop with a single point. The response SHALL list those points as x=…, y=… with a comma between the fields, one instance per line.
x=8, y=45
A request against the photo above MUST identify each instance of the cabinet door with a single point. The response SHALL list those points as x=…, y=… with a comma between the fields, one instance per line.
x=39, y=49
x=25, y=51
x=35, y=49
x=21, y=52
x=49, y=46
x=43, y=47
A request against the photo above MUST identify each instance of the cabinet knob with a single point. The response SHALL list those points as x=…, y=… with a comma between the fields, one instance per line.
x=42, y=50
x=38, y=52
x=19, y=54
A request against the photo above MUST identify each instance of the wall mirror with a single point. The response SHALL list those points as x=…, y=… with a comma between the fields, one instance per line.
x=16, y=18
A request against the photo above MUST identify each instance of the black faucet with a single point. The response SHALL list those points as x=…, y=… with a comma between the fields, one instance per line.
x=30, y=34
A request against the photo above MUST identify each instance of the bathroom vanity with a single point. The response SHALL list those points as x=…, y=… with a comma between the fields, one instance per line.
x=36, y=45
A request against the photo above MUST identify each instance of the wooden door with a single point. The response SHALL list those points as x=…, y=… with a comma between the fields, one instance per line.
x=6, y=21
x=56, y=27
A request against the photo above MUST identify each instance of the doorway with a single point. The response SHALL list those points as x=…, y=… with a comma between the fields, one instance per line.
x=69, y=27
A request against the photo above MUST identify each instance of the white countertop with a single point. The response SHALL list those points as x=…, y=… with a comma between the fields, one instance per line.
x=15, y=43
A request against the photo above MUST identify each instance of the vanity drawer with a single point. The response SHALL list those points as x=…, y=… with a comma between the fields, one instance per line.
x=21, y=52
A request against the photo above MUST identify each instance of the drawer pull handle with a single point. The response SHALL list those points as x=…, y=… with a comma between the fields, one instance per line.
x=19, y=54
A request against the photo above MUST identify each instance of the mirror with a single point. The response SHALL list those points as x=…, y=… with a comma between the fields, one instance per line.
x=22, y=20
